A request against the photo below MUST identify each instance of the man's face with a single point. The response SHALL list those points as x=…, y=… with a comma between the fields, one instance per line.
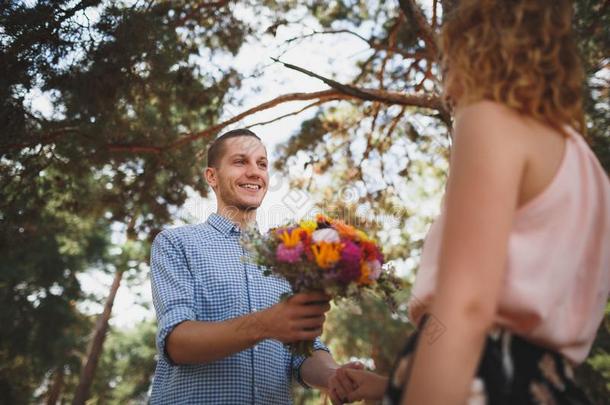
x=242, y=176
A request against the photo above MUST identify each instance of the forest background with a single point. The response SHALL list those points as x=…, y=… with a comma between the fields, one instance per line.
x=106, y=109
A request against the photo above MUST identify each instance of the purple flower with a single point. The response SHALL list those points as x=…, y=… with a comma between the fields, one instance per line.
x=289, y=255
x=349, y=265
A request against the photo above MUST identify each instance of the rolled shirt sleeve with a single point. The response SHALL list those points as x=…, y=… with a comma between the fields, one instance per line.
x=172, y=288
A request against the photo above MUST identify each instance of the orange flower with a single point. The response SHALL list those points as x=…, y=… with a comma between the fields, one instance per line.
x=345, y=230
x=365, y=273
x=326, y=253
x=291, y=238
x=323, y=218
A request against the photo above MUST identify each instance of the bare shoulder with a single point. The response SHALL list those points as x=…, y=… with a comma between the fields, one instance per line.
x=501, y=137
x=483, y=107
x=492, y=125
x=491, y=118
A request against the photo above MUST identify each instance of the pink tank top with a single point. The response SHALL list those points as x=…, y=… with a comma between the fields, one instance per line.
x=558, y=269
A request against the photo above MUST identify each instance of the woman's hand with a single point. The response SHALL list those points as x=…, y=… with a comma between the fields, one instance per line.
x=366, y=385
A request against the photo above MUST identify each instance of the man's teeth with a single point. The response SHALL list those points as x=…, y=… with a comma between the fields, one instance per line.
x=251, y=186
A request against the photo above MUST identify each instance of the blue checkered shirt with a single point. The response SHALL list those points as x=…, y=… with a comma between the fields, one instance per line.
x=197, y=273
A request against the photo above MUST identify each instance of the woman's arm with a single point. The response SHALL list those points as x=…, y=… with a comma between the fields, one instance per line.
x=487, y=163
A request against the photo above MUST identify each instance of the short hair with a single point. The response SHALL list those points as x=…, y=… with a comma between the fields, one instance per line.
x=216, y=149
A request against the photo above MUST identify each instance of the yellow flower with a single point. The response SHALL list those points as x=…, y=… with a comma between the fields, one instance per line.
x=363, y=236
x=326, y=253
x=291, y=238
x=308, y=226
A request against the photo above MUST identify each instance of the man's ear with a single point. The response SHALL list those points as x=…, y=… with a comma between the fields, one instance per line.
x=210, y=177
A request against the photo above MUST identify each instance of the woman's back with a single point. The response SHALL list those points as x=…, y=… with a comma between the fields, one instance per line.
x=522, y=240
x=557, y=272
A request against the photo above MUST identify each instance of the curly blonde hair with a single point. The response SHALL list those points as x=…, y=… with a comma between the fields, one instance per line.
x=517, y=52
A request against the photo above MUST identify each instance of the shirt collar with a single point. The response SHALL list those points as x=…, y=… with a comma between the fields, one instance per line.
x=223, y=225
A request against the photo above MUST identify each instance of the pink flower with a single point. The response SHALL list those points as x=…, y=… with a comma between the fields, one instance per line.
x=289, y=255
x=351, y=255
x=375, y=268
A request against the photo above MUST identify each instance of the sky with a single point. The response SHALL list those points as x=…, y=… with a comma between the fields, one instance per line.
x=328, y=55
x=282, y=203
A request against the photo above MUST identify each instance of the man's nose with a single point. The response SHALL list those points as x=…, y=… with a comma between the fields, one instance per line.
x=253, y=170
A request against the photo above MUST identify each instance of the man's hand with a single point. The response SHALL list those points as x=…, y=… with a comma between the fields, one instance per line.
x=300, y=317
x=368, y=385
x=340, y=385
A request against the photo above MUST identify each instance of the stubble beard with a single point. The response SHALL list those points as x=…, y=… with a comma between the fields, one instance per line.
x=233, y=203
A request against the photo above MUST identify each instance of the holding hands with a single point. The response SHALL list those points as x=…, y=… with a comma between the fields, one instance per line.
x=301, y=317
x=352, y=383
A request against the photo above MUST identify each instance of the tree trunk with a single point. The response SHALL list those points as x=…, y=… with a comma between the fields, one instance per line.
x=56, y=387
x=95, y=349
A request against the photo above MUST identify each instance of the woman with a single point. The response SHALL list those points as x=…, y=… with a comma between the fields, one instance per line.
x=515, y=272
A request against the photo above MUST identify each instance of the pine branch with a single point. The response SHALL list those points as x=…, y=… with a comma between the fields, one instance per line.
x=414, y=13
x=338, y=91
x=320, y=95
x=43, y=139
x=307, y=107
x=432, y=101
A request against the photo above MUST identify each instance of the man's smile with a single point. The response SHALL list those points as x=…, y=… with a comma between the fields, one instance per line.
x=250, y=186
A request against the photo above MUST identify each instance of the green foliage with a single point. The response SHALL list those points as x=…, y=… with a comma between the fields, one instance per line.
x=127, y=366
x=594, y=374
x=44, y=246
x=356, y=332
x=592, y=24
x=127, y=83
x=338, y=11
x=130, y=81
x=121, y=78
x=351, y=147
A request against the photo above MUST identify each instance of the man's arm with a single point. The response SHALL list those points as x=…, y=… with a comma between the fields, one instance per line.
x=185, y=340
x=318, y=369
x=322, y=372
x=298, y=318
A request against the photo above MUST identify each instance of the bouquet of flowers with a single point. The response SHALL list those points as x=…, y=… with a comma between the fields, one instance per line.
x=325, y=255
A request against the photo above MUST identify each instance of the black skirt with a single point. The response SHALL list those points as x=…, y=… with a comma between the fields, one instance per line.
x=511, y=371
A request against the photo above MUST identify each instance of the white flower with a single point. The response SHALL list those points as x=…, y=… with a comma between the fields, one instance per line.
x=325, y=235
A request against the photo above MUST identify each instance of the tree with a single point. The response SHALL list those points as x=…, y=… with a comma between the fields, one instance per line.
x=45, y=245
x=114, y=73
x=125, y=368
x=135, y=98
x=377, y=153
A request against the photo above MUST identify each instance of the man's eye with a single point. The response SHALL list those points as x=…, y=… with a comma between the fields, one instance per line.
x=263, y=165
x=239, y=161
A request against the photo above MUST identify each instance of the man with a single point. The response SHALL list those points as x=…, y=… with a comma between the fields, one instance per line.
x=222, y=327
